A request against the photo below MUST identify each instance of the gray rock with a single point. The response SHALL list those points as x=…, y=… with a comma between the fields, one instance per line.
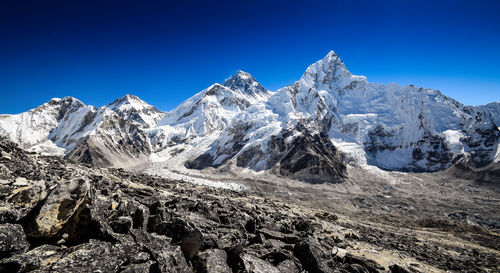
x=146, y=267
x=12, y=240
x=191, y=243
x=95, y=256
x=312, y=256
x=288, y=266
x=38, y=257
x=212, y=261
x=256, y=265
x=172, y=260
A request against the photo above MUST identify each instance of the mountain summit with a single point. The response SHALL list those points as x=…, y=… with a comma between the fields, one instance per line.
x=243, y=83
x=132, y=108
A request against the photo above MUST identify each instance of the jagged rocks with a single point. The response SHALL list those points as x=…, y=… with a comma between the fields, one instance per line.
x=312, y=256
x=255, y=265
x=12, y=240
x=38, y=257
x=363, y=264
x=83, y=257
x=191, y=243
x=212, y=261
x=110, y=220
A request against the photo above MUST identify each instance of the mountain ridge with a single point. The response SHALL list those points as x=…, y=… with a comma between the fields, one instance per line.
x=240, y=124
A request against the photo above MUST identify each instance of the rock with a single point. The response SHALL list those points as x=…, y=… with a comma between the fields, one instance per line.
x=212, y=261
x=25, y=198
x=12, y=240
x=340, y=252
x=305, y=226
x=39, y=257
x=370, y=265
x=122, y=224
x=255, y=265
x=398, y=269
x=312, y=158
x=288, y=266
x=20, y=181
x=95, y=256
x=191, y=243
x=5, y=155
x=140, y=257
x=312, y=256
x=171, y=259
x=146, y=267
x=356, y=268
x=60, y=205
x=257, y=239
x=250, y=226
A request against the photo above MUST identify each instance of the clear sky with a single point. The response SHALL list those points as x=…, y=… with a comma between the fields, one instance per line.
x=166, y=51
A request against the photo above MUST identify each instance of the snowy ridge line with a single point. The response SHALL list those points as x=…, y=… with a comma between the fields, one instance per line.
x=328, y=114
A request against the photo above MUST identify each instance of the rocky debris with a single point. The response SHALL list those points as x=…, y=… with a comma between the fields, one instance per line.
x=60, y=217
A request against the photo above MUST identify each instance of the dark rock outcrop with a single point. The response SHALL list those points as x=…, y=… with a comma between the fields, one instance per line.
x=306, y=156
x=313, y=158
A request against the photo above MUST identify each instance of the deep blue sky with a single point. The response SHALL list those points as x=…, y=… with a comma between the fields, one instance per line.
x=166, y=51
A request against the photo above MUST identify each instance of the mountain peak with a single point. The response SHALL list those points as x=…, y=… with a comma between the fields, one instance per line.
x=245, y=83
x=127, y=99
x=240, y=76
x=329, y=71
x=64, y=100
x=332, y=60
x=133, y=108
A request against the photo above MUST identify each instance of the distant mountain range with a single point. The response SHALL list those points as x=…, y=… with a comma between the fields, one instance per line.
x=311, y=130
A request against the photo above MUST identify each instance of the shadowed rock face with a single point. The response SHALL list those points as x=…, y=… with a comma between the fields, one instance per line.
x=60, y=217
x=308, y=157
x=127, y=144
x=313, y=158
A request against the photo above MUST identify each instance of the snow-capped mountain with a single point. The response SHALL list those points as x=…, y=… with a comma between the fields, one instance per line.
x=50, y=128
x=106, y=136
x=209, y=111
x=132, y=108
x=393, y=127
x=309, y=130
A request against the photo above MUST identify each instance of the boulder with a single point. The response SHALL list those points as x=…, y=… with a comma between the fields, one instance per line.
x=255, y=265
x=59, y=206
x=312, y=256
x=212, y=261
x=12, y=240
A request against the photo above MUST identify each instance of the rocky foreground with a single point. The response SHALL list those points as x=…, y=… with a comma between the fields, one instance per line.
x=61, y=217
